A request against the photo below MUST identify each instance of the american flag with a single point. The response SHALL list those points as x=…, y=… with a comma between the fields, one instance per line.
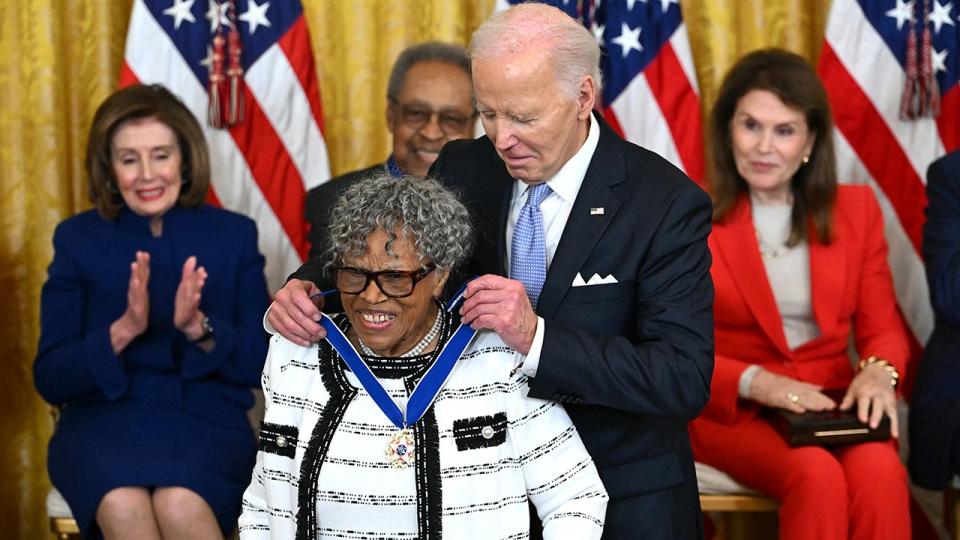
x=650, y=94
x=262, y=166
x=864, y=68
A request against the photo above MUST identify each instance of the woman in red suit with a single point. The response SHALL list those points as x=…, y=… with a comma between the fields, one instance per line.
x=799, y=265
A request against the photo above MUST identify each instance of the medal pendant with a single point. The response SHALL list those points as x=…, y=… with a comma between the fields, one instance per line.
x=400, y=450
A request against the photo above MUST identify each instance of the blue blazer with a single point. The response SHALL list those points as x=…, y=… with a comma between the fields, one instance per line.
x=632, y=360
x=935, y=403
x=87, y=290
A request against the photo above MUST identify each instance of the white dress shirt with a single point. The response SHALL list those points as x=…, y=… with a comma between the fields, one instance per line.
x=555, y=209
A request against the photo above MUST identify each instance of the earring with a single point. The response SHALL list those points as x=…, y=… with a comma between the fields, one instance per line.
x=112, y=187
x=806, y=159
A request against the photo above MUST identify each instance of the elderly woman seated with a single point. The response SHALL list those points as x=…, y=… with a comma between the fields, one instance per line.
x=427, y=430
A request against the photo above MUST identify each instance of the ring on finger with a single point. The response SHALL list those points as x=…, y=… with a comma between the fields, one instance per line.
x=793, y=397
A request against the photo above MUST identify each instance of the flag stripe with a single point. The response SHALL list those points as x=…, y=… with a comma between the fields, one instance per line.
x=296, y=45
x=273, y=169
x=642, y=120
x=253, y=170
x=681, y=47
x=877, y=147
x=680, y=106
x=949, y=122
x=273, y=83
x=866, y=59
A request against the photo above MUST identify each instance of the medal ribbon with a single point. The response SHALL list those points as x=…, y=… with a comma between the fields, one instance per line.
x=426, y=390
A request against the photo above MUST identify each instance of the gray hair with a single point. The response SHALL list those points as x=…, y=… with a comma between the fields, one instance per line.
x=572, y=48
x=431, y=51
x=425, y=212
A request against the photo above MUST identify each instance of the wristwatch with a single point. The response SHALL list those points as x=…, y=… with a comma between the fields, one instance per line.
x=207, y=331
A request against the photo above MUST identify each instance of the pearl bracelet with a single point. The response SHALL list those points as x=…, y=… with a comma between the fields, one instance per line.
x=890, y=368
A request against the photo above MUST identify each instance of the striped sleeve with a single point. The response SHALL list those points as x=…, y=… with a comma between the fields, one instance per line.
x=561, y=478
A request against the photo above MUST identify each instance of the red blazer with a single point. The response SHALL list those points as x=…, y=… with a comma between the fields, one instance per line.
x=852, y=292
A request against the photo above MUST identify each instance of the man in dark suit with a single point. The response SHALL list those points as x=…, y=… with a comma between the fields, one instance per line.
x=429, y=103
x=935, y=403
x=613, y=310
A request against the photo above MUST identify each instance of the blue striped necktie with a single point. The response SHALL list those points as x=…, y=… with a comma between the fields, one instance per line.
x=528, y=249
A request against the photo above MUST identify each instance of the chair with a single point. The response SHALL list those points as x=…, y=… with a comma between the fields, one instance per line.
x=737, y=511
x=721, y=493
x=62, y=523
x=951, y=508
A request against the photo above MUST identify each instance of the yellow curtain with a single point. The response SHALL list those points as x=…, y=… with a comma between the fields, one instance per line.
x=60, y=58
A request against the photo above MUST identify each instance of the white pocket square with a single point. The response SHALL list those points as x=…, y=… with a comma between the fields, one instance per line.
x=594, y=280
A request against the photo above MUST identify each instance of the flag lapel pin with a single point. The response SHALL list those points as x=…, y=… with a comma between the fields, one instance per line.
x=596, y=211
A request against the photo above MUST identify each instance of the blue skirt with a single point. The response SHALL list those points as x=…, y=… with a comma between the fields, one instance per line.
x=101, y=447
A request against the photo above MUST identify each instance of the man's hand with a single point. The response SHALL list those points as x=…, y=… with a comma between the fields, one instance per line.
x=294, y=314
x=501, y=305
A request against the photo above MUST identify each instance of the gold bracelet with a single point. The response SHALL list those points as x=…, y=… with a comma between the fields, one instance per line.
x=890, y=368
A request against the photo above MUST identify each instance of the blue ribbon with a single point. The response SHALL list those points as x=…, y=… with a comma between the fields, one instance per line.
x=426, y=390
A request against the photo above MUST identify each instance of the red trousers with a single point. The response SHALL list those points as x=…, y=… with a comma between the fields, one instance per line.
x=856, y=491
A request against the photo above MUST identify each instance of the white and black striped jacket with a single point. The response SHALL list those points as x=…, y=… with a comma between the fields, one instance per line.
x=321, y=471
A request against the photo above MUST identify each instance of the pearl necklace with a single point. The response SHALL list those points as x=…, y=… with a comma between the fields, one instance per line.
x=768, y=251
x=418, y=348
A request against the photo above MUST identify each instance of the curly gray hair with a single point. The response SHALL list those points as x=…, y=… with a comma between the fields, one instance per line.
x=428, y=214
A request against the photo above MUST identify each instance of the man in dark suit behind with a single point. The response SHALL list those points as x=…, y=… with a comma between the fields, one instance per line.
x=622, y=326
x=429, y=103
x=935, y=403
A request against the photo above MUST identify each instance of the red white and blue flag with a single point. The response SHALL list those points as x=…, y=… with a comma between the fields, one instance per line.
x=650, y=94
x=263, y=164
x=866, y=63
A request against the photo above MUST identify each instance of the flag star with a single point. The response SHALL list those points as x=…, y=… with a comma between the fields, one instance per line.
x=940, y=15
x=628, y=39
x=598, y=33
x=180, y=11
x=631, y=3
x=939, y=60
x=217, y=15
x=208, y=60
x=903, y=12
x=256, y=15
x=665, y=4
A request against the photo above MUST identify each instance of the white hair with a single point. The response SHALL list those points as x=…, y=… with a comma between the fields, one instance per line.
x=572, y=48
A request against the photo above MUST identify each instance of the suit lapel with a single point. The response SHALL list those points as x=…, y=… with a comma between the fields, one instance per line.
x=494, y=208
x=827, y=280
x=737, y=245
x=583, y=230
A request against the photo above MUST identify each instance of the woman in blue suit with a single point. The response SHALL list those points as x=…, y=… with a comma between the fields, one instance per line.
x=151, y=336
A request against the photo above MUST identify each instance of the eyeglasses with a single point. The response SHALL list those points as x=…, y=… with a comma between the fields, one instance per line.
x=392, y=283
x=416, y=116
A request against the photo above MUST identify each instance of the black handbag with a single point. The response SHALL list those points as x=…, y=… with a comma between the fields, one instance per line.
x=826, y=428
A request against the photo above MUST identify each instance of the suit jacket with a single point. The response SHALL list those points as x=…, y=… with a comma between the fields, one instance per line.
x=935, y=403
x=852, y=291
x=633, y=359
x=321, y=200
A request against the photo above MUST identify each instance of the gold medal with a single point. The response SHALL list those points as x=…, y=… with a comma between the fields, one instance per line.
x=400, y=450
